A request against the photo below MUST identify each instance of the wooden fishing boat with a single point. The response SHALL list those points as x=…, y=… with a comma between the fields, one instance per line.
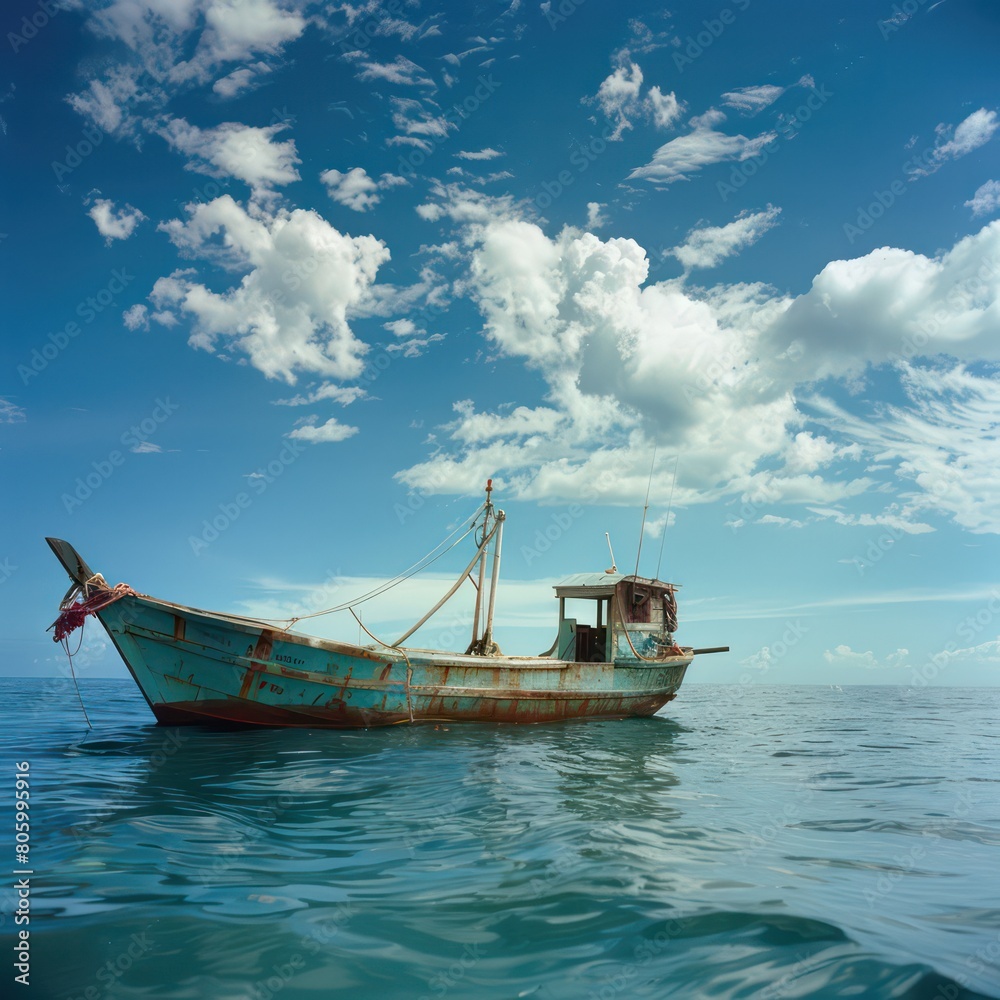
x=210, y=668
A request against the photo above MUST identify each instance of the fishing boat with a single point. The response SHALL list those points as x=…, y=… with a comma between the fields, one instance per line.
x=211, y=668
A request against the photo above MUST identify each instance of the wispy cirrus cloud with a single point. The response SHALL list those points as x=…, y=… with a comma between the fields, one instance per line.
x=703, y=146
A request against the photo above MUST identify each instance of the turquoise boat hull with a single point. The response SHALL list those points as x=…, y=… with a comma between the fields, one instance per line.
x=200, y=667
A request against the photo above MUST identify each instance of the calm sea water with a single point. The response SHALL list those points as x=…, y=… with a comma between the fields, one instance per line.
x=788, y=842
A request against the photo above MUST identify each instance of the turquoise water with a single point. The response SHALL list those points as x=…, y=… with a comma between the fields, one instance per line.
x=765, y=842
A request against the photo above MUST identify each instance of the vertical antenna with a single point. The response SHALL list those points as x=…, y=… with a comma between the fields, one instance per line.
x=642, y=528
x=614, y=567
x=666, y=523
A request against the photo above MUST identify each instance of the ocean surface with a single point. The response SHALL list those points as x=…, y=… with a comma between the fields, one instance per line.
x=767, y=842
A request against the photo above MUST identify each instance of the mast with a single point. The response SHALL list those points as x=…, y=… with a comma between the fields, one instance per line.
x=489, y=647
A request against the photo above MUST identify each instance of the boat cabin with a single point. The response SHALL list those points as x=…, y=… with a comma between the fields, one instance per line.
x=613, y=616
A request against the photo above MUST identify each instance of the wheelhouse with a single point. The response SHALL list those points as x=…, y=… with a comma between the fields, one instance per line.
x=605, y=617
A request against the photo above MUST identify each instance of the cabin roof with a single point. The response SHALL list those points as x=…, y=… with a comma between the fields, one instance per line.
x=588, y=585
x=601, y=584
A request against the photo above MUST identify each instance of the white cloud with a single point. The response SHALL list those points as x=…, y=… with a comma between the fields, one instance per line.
x=595, y=217
x=420, y=126
x=136, y=317
x=779, y=520
x=343, y=394
x=942, y=443
x=11, y=413
x=301, y=280
x=664, y=109
x=844, y=656
x=968, y=135
x=893, y=303
x=750, y=100
x=412, y=340
x=986, y=200
x=707, y=247
x=483, y=154
x=331, y=431
x=984, y=653
x=240, y=80
x=114, y=225
x=182, y=43
x=356, y=189
x=725, y=375
x=401, y=70
x=701, y=147
x=235, y=150
x=618, y=97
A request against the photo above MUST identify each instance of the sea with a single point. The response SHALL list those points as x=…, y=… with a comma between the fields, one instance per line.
x=750, y=841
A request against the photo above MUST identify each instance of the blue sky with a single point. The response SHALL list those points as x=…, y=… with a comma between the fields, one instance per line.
x=287, y=281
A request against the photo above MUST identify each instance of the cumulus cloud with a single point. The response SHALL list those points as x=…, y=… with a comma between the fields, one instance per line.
x=331, y=431
x=234, y=150
x=707, y=247
x=301, y=280
x=726, y=375
x=704, y=145
x=356, y=189
x=176, y=45
x=986, y=200
x=844, y=656
x=664, y=109
x=618, y=97
x=136, y=317
x=893, y=304
x=114, y=225
x=595, y=217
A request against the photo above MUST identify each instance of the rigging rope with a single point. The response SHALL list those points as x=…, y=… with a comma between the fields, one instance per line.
x=417, y=567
